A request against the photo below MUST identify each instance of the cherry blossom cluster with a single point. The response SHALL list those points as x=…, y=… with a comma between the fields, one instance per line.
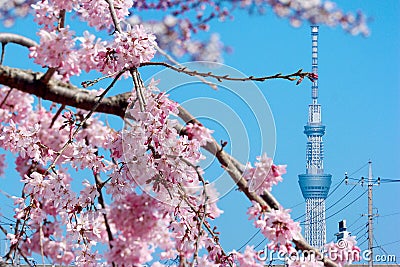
x=58, y=47
x=277, y=226
x=95, y=13
x=156, y=146
x=175, y=35
x=264, y=175
x=10, y=10
x=249, y=258
x=56, y=51
x=129, y=49
x=297, y=11
x=152, y=153
x=198, y=132
x=142, y=229
x=50, y=206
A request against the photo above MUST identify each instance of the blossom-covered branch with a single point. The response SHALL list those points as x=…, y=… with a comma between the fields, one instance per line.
x=69, y=95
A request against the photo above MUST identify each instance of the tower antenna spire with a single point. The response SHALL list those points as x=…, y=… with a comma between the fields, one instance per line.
x=315, y=184
x=314, y=38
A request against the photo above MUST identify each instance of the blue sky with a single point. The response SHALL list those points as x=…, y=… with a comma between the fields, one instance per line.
x=359, y=92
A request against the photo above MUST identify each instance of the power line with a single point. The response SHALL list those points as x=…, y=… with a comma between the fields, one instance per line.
x=363, y=241
x=361, y=229
x=260, y=243
x=251, y=238
x=390, y=243
x=391, y=214
x=355, y=222
x=389, y=180
x=383, y=250
x=347, y=205
x=330, y=216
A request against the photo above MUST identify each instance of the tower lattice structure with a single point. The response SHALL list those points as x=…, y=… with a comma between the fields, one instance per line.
x=315, y=184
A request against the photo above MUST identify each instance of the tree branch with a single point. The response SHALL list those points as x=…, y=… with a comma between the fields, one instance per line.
x=29, y=82
x=220, y=78
x=6, y=38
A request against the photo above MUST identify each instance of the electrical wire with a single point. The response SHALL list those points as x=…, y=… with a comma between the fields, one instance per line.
x=390, y=243
x=386, y=180
x=251, y=238
x=331, y=206
x=355, y=221
x=347, y=205
x=363, y=242
x=387, y=215
x=383, y=250
x=356, y=234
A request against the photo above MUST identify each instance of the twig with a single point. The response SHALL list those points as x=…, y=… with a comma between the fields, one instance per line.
x=86, y=84
x=139, y=88
x=100, y=97
x=114, y=15
x=220, y=78
x=210, y=231
x=5, y=98
x=41, y=243
x=61, y=20
x=99, y=186
x=57, y=115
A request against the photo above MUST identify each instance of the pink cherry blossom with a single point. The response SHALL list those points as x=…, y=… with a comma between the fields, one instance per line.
x=277, y=226
x=199, y=132
x=129, y=49
x=248, y=258
x=97, y=13
x=264, y=175
x=56, y=51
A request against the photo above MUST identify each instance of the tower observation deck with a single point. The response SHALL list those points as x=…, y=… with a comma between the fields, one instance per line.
x=315, y=184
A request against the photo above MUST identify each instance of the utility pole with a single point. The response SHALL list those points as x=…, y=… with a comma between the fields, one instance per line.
x=371, y=215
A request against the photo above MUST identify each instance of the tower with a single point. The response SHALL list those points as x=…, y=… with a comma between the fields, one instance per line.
x=314, y=184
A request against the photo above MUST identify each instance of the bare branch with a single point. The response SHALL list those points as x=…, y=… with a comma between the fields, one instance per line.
x=220, y=78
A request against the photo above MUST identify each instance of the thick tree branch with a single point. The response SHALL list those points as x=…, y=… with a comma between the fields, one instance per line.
x=63, y=93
